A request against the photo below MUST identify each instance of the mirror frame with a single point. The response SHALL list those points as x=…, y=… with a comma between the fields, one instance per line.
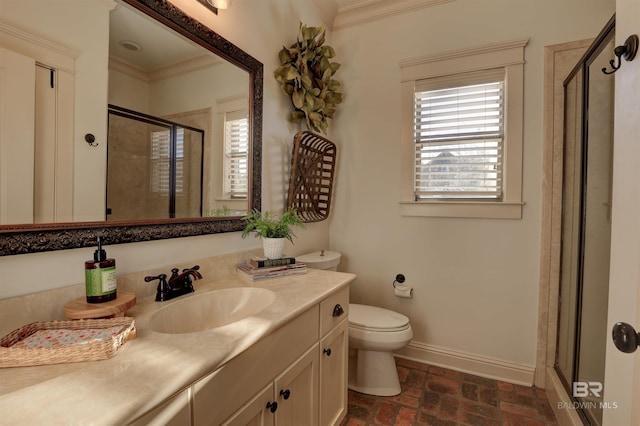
x=35, y=238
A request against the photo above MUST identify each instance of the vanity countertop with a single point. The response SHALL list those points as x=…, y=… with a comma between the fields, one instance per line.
x=154, y=366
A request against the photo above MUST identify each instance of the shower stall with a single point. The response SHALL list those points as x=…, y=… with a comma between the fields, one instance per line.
x=154, y=167
x=586, y=228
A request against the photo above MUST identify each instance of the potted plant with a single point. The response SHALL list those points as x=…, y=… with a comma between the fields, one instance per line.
x=272, y=230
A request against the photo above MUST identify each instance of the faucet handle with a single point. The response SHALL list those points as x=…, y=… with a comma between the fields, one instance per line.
x=163, y=288
x=193, y=268
x=160, y=277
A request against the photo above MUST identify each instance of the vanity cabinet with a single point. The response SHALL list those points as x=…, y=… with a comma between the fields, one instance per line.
x=334, y=357
x=174, y=412
x=333, y=375
x=256, y=412
x=290, y=400
x=218, y=396
x=296, y=375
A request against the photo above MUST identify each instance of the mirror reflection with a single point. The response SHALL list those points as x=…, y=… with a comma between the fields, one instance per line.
x=191, y=161
x=154, y=167
x=68, y=176
x=161, y=75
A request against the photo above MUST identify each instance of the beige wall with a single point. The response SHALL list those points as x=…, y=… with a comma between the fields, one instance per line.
x=475, y=280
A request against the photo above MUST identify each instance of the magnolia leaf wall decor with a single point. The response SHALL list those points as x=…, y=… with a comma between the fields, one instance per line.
x=306, y=75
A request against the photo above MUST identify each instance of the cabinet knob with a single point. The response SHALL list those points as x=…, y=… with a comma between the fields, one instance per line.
x=327, y=351
x=286, y=393
x=272, y=406
x=338, y=310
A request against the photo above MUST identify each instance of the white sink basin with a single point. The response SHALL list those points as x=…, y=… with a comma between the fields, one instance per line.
x=209, y=310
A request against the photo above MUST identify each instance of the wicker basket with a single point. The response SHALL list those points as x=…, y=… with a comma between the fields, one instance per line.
x=311, y=183
x=13, y=355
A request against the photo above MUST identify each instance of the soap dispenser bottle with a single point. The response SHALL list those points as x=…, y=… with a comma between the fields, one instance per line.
x=100, y=277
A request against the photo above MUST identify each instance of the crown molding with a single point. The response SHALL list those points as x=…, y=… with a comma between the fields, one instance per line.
x=373, y=10
x=171, y=70
x=42, y=50
x=328, y=9
x=124, y=67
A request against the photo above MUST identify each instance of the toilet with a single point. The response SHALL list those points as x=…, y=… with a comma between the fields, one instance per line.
x=374, y=333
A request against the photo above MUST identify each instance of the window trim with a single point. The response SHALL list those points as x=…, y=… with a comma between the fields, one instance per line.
x=230, y=154
x=507, y=55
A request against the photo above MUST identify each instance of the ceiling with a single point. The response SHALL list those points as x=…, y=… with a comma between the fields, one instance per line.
x=158, y=47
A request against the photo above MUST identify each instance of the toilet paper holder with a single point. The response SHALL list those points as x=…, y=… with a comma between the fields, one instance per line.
x=399, y=280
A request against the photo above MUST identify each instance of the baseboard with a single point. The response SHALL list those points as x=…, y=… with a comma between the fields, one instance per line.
x=468, y=363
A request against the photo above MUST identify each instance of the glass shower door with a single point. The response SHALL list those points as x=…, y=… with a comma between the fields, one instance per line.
x=154, y=167
x=586, y=228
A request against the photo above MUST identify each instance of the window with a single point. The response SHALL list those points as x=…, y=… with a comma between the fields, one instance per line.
x=236, y=154
x=462, y=133
x=160, y=161
x=459, y=130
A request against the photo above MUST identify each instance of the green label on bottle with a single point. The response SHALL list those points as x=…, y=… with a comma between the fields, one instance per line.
x=108, y=279
x=100, y=281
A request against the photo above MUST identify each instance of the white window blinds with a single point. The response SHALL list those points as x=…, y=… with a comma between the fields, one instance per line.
x=236, y=137
x=459, y=135
x=160, y=161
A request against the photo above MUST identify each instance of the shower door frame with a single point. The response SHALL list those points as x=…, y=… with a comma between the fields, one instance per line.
x=592, y=52
x=172, y=128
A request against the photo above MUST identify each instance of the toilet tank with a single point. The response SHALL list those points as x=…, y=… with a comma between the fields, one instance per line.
x=323, y=259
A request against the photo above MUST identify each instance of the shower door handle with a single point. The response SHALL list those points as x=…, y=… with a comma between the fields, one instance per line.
x=625, y=337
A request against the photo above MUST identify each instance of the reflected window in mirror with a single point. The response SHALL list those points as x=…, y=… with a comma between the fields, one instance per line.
x=234, y=132
x=236, y=151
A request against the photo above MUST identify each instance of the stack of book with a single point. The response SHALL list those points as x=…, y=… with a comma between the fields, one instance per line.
x=256, y=269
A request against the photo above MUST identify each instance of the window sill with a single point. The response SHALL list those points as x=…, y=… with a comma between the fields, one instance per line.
x=462, y=209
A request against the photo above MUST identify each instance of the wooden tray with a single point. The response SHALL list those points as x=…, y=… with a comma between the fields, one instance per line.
x=57, y=342
x=80, y=309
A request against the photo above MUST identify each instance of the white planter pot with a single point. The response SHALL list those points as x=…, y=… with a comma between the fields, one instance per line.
x=273, y=247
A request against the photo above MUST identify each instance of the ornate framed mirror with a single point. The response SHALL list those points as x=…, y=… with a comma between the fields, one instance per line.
x=32, y=237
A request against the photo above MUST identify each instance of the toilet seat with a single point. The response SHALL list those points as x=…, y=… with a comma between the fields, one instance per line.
x=373, y=318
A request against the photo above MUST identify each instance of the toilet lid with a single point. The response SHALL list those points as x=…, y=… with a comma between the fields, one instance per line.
x=374, y=318
x=320, y=259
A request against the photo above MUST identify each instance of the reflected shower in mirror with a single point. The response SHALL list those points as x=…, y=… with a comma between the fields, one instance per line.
x=154, y=167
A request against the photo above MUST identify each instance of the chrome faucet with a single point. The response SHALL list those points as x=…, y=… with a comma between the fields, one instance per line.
x=179, y=283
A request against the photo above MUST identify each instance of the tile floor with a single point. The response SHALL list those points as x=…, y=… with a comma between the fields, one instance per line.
x=436, y=396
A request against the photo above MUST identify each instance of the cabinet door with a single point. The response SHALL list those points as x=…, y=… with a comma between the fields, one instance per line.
x=297, y=391
x=219, y=395
x=256, y=412
x=334, y=356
